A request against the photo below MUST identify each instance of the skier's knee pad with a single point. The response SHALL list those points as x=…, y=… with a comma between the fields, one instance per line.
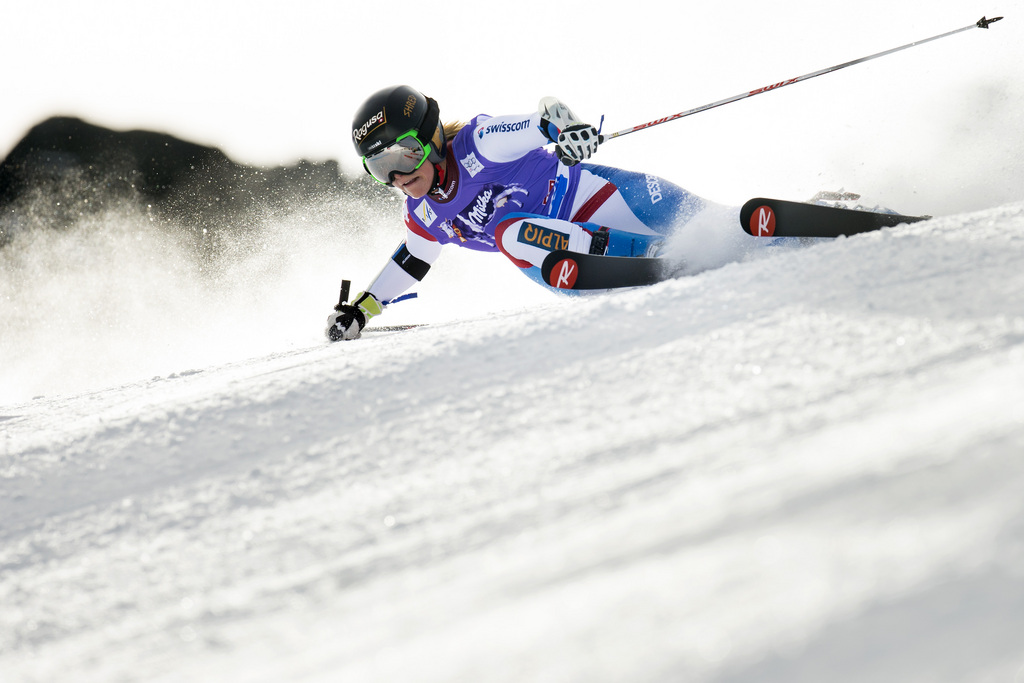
x=527, y=238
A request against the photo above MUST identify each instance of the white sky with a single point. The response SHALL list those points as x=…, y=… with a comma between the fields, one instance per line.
x=272, y=82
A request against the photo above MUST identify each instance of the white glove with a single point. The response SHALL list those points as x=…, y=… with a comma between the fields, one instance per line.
x=574, y=140
x=577, y=143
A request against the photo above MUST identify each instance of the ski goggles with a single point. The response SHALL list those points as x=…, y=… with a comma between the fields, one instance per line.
x=404, y=155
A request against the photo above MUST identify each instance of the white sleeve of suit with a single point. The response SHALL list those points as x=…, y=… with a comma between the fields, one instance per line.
x=393, y=279
x=506, y=138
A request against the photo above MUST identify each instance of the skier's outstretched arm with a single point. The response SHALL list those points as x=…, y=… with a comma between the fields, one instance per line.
x=407, y=266
x=507, y=138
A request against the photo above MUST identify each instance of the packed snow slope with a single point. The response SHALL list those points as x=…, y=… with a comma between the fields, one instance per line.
x=803, y=465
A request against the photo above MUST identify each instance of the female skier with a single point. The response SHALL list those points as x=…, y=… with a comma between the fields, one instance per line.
x=490, y=185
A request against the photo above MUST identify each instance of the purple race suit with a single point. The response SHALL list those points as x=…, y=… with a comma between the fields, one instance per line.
x=478, y=192
x=497, y=172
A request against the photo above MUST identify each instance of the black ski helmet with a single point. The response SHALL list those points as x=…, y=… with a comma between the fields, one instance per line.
x=392, y=112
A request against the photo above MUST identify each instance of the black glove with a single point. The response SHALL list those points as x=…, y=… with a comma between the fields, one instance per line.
x=346, y=322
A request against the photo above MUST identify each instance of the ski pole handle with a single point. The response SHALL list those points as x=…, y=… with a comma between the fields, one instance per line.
x=981, y=23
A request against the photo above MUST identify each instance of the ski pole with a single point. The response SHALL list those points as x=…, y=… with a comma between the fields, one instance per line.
x=981, y=23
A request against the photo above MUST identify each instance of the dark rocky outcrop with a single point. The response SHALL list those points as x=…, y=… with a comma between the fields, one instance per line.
x=65, y=168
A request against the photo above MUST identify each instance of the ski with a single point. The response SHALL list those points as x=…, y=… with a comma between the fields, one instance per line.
x=760, y=217
x=780, y=218
x=391, y=328
x=569, y=270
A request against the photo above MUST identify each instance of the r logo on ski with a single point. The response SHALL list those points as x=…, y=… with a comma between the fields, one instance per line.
x=563, y=275
x=762, y=223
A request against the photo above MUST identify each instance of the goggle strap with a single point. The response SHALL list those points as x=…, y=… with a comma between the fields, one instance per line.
x=429, y=124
